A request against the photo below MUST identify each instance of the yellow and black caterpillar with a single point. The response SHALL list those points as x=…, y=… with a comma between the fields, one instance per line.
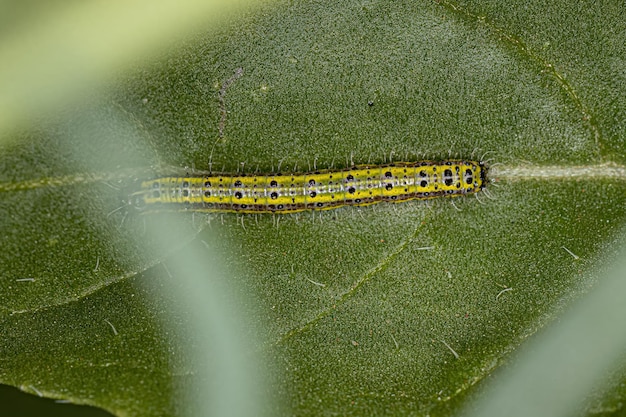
x=360, y=185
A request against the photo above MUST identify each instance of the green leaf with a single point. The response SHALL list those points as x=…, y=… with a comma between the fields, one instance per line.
x=558, y=370
x=390, y=309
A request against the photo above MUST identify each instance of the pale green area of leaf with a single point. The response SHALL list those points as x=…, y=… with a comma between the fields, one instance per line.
x=60, y=53
x=387, y=310
x=585, y=43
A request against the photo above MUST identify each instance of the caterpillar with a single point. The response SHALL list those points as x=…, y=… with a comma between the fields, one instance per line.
x=359, y=185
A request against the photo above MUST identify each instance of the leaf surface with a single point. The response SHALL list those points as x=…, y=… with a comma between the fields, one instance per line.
x=384, y=310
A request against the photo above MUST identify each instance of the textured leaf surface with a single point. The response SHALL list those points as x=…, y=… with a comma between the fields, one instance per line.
x=392, y=309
